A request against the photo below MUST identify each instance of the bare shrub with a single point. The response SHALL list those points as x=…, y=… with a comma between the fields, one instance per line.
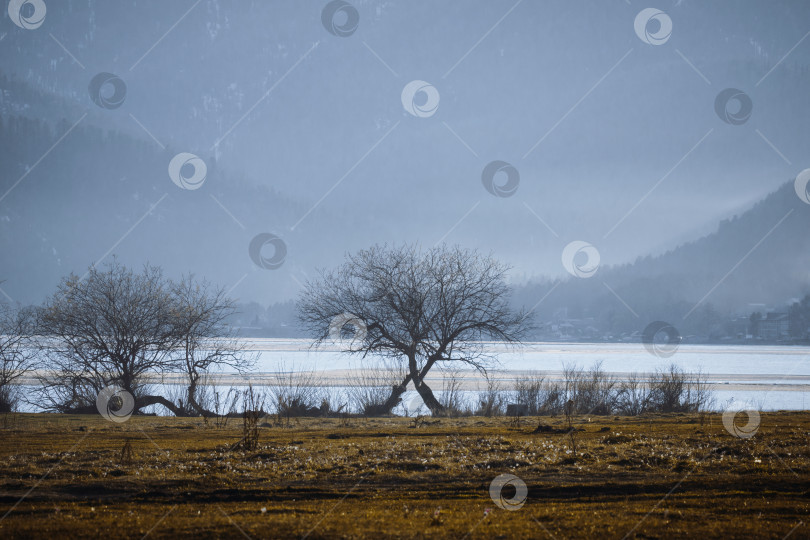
x=333, y=402
x=570, y=410
x=595, y=392
x=370, y=387
x=491, y=400
x=9, y=398
x=633, y=396
x=253, y=409
x=668, y=390
x=572, y=376
x=296, y=393
x=592, y=391
x=451, y=398
x=224, y=406
x=539, y=395
x=126, y=456
x=552, y=399
x=698, y=392
x=528, y=390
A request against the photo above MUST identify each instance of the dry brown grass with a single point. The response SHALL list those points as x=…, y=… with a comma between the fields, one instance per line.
x=649, y=477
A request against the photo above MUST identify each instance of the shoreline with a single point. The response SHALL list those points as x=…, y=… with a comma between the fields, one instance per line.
x=469, y=380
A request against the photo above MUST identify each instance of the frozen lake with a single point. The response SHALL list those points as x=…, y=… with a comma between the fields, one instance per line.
x=770, y=377
x=765, y=377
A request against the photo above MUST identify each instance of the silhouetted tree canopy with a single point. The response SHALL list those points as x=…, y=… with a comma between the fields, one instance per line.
x=422, y=307
x=116, y=326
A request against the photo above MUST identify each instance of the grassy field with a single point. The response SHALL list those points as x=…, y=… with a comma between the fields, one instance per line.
x=662, y=476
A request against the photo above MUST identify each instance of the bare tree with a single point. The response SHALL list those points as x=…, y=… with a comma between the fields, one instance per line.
x=17, y=351
x=113, y=327
x=206, y=341
x=419, y=307
x=117, y=327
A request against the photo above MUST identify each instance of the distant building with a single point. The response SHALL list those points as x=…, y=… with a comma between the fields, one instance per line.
x=773, y=327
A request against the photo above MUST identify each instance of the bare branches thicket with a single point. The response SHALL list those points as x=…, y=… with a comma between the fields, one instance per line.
x=673, y=390
x=699, y=392
x=296, y=393
x=17, y=352
x=491, y=400
x=596, y=392
x=669, y=389
x=252, y=410
x=370, y=384
x=633, y=396
x=540, y=395
x=418, y=307
x=450, y=397
x=528, y=390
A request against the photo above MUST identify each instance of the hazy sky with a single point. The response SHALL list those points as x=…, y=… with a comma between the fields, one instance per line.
x=611, y=126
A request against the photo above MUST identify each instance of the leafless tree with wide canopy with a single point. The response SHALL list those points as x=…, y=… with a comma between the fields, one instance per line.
x=421, y=307
x=116, y=326
x=17, y=351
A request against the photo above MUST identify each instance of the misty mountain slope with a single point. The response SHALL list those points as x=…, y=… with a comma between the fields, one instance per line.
x=306, y=135
x=66, y=206
x=78, y=204
x=90, y=198
x=759, y=257
x=318, y=106
x=776, y=270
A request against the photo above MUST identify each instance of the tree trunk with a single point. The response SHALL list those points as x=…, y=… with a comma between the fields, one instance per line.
x=418, y=378
x=192, y=400
x=393, y=400
x=85, y=409
x=145, y=401
x=140, y=403
x=436, y=408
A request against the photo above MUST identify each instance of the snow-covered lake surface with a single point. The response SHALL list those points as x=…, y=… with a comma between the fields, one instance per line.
x=770, y=377
x=766, y=377
x=616, y=357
